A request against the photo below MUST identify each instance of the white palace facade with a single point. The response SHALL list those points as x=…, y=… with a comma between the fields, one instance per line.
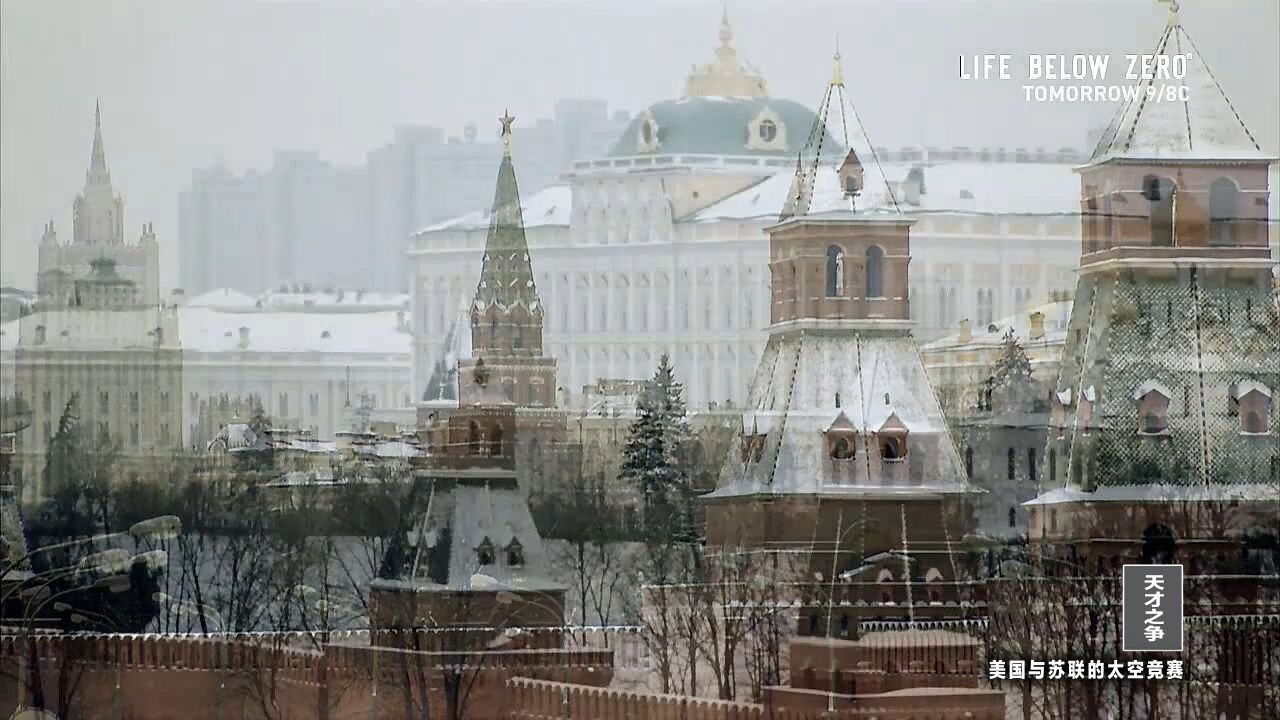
x=659, y=247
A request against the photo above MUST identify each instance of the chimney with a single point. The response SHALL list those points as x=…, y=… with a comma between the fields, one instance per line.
x=913, y=186
x=1037, y=325
x=966, y=331
x=244, y=337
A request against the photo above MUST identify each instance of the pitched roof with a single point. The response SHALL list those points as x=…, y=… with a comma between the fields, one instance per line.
x=876, y=376
x=1199, y=122
x=838, y=120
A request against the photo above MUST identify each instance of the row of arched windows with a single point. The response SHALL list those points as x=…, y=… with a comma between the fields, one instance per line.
x=836, y=272
x=1161, y=194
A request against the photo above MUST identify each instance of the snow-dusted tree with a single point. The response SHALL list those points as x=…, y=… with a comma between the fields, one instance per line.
x=656, y=459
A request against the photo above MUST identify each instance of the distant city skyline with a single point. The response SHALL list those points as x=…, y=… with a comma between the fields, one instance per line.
x=186, y=85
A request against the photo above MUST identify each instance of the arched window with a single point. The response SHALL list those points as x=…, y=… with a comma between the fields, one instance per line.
x=1108, y=223
x=484, y=552
x=892, y=447
x=1158, y=545
x=1254, y=407
x=835, y=272
x=1160, y=194
x=875, y=272
x=968, y=462
x=515, y=553
x=474, y=439
x=1222, y=211
x=885, y=581
x=842, y=448
x=1013, y=516
x=495, y=442
x=493, y=332
x=1153, y=409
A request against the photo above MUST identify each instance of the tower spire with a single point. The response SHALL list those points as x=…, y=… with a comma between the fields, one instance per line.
x=506, y=121
x=506, y=276
x=98, y=160
x=837, y=74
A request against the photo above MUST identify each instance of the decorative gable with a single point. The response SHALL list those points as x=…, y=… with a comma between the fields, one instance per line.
x=766, y=131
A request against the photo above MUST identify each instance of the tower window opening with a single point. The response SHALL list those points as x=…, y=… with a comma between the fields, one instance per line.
x=474, y=438
x=1161, y=194
x=835, y=272
x=495, y=442
x=484, y=553
x=875, y=272
x=1153, y=413
x=1223, y=198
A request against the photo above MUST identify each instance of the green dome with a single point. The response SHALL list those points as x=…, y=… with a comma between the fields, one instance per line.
x=720, y=126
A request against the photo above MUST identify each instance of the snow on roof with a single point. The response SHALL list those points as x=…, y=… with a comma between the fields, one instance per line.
x=1149, y=386
x=1056, y=316
x=876, y=378
x=86, y=329
x=1138, y=493
x=1199, y=123
x=550, y=206
x=296, y=298
x=222, y=298
x=210, y=330
x=1244, y=387
x=978, y=188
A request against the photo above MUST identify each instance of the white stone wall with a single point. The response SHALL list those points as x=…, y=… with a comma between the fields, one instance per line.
x=700, y=291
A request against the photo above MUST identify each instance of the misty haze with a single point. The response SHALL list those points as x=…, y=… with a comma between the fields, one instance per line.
x=882, y=360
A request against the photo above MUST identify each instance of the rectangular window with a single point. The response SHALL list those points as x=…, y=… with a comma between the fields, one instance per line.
x=48, y=401
x=164, y=401
x=164, y=433
x=133, y=434
x=104, y=401
x=313, y=403
x=284, y=404
x=48, y=432
x=133, y=403
x=1012, y=469
x=1031, y=463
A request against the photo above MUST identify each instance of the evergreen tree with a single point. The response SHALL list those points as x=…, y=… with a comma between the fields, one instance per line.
x=1010, y=385
x=1012, y=365
x=77, y=471
x=656, y=460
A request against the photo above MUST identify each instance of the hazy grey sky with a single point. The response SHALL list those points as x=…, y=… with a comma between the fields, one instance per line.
x=185, y=83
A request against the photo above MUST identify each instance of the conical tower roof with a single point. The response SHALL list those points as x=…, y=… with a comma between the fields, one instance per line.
x=507, y=275
x=837, y=122
x=1177, y=118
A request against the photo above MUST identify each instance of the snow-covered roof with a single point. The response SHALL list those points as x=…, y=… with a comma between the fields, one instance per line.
x=1150, y=386
x=88, y=329
x=1139, y=493
x=868, y=380
x=1244, y=387
x=552, y=205
x=1056, y=316
x=1200, y=122
x=211, y=330
x=297, y=298
x=978, y=188
x=222, y=298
